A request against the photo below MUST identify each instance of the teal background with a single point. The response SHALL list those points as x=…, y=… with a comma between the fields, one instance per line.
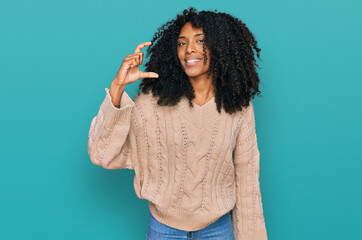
x=57, y=57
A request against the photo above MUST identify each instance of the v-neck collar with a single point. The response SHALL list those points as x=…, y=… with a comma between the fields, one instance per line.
x=200, y=106
x=204, y=116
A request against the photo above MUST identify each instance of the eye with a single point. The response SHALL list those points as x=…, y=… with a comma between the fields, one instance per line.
x=201, y=40
x=179, y=44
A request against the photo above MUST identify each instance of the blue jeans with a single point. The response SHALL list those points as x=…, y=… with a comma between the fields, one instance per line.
x=221, y=229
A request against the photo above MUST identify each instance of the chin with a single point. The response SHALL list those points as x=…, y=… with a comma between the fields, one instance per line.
x=194, y=75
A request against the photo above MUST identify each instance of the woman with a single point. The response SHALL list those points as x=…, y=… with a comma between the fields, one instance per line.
x=189, y=134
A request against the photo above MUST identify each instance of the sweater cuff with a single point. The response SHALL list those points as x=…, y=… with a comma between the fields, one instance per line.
x=125, y=101
x=115, y=115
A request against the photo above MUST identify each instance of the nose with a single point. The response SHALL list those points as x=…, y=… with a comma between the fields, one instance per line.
x=190, y=47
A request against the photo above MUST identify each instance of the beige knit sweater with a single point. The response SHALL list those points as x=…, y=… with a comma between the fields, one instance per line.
x=193, y=165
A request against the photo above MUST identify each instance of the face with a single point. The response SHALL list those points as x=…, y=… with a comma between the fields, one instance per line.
x=190, y=51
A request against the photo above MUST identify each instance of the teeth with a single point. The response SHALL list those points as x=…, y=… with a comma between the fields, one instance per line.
x=193, y=60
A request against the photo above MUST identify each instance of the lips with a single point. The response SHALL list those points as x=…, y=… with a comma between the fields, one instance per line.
x=191, y=61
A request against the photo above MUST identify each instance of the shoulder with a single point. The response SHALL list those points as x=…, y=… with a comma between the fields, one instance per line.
x=246, y=115
x=143, y=99
x=248, y=111
x=144, y=103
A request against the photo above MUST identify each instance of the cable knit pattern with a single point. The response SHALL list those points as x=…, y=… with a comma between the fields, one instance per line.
x=193, y=165
x=247, y=215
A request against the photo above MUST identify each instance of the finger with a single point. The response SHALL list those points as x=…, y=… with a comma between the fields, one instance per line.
x=141, y=57
x=131, y=56
x=137, y=57
x=133, y=62
x=148, y=75
x=136, y=61
x=142, y=45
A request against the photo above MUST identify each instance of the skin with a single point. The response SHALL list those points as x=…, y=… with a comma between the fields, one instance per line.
x=190, y=44
x=129, y=72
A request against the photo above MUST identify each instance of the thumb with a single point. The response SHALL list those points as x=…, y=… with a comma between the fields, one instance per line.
x=148, y=75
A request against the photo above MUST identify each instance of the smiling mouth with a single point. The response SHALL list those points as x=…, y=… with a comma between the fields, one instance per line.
x=192, y=62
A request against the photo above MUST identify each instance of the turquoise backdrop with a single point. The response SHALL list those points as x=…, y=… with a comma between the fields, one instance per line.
x=57, y=57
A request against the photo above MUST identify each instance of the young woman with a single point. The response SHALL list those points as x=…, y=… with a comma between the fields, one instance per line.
x=189, y=134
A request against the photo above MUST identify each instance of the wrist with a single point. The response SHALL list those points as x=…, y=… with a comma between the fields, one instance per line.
x=116, y=91
x=118, y=85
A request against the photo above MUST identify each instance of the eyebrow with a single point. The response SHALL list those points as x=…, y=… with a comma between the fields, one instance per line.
x=198, y=34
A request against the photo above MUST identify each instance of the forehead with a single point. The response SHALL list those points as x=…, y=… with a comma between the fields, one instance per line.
x=188, y=29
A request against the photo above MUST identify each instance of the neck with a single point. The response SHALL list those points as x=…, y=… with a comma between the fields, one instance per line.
x=202, y=86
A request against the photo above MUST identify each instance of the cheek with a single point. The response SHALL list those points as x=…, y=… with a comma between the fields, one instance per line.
x=179, y=56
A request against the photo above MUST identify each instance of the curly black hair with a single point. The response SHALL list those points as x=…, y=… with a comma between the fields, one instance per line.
x=232, y=61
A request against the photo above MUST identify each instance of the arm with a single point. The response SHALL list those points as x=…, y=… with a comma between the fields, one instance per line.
x=110, y=140
x=247, y=215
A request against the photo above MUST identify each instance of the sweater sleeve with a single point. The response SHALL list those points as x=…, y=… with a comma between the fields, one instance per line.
x=110, y=137
x=247, y=215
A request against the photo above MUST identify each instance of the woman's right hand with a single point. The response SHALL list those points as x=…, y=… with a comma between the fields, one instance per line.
x=129, y=71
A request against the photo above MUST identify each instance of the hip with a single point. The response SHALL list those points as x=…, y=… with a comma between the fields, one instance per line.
x=220, y=229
